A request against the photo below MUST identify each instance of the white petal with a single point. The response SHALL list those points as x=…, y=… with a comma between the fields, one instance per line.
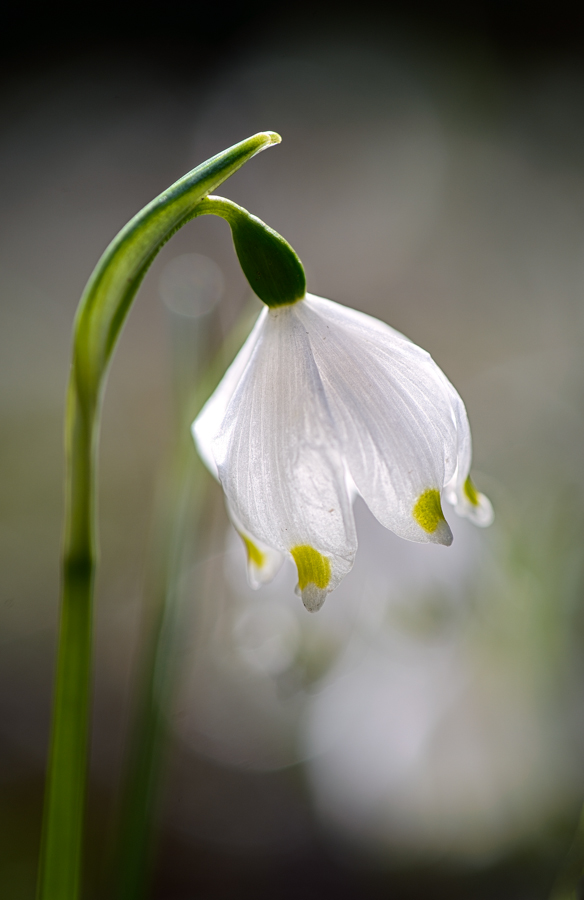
x=208, y=422
x=460, y=491
x=393, y=415
x=475, y=506
x=279, y=462
x=263, y=562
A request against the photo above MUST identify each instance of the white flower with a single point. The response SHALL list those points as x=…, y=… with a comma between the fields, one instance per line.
x=322, y=401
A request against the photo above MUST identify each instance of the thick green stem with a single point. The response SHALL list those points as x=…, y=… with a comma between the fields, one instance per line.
x=103, y=308
x=64, y=809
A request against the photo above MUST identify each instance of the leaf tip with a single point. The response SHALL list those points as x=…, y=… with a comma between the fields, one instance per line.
x=273, y=138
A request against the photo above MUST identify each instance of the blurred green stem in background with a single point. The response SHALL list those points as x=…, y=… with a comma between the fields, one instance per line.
x=180, y=512
x=100, y=316
x=182, y=495
x=568, y=885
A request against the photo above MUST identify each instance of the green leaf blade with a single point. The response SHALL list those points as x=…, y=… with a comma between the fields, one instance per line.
x=110, y=290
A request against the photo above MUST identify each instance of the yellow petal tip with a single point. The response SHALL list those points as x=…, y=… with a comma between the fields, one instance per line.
x=470, y=492
x=313, y=567
x=254, y=554
x=428, y=514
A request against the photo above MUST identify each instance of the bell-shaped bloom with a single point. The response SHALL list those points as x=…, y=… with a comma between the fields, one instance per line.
x=320, y=403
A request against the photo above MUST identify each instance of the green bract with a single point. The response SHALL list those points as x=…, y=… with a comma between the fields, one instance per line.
x=268, y=261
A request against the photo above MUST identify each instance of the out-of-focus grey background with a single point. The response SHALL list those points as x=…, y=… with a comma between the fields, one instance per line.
x=424, y=733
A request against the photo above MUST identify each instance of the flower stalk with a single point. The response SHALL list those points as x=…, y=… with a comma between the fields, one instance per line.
x=102, y=311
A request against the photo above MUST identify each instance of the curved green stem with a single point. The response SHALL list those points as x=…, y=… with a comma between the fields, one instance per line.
x=101, y=314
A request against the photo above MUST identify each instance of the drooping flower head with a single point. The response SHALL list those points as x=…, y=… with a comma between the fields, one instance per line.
x=321, y=403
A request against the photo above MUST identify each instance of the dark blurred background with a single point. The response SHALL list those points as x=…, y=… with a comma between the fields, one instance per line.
x=424, y=734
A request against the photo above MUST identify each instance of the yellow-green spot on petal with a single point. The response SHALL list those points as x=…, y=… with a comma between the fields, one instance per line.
x=254, y=554
x=313, y=567
x=428, y=510
x=470, y=492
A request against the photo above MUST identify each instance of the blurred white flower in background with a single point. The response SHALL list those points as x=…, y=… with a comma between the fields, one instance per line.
x=439, y=741
x=426, y=708
x=259, y=658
